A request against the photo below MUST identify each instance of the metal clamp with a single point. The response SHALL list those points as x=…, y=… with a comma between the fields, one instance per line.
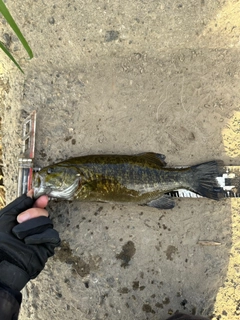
x=25, y=162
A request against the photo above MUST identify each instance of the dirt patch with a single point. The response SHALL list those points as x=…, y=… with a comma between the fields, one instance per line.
x=128, y=251
x=171, y=250
x=79, y=266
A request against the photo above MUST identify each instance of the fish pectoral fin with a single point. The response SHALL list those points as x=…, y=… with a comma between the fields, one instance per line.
x=163, y=202
x=156, y=158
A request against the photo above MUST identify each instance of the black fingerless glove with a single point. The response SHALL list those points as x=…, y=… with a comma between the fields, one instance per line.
x=24, y=247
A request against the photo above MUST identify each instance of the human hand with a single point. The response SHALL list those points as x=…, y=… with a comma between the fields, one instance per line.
x=37, y=209
x=27, y=240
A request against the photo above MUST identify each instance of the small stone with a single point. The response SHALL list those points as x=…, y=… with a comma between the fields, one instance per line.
x=51, y=20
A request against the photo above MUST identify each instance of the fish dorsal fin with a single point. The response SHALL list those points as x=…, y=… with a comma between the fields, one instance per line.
x=155, y=158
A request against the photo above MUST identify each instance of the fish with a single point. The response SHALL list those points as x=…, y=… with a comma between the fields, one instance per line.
x=142, y=179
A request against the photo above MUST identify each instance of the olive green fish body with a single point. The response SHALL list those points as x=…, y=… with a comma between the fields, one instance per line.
x=125, y=183
x=141, y=179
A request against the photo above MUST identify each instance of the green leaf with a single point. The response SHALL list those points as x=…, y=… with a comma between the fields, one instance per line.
x=2, y=46
x=12, y=23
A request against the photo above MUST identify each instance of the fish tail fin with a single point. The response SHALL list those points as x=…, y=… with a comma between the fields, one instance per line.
x=204, y=180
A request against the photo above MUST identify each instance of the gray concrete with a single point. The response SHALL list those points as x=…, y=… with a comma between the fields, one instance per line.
x=126, y=77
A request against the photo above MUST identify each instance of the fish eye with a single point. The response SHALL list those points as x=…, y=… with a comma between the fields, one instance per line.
x=49, y=170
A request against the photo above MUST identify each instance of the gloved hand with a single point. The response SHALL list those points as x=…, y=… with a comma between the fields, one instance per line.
x=24, y=247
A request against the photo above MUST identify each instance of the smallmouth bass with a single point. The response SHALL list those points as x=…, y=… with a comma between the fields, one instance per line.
x=141, y=178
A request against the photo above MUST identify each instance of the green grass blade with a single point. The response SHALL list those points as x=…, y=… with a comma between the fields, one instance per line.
x=10, y=56
x=12, y=23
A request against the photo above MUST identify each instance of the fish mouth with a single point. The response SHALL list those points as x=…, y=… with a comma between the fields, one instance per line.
x=41, y=188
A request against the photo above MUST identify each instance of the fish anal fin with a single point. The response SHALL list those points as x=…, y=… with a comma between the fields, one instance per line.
x=155, y=158
x=163, y=202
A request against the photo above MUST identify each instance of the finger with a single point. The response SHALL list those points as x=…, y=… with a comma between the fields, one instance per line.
x=31, y=213
x=49, y=236
x=41, y=202
x=30, y=193
x=32, y=227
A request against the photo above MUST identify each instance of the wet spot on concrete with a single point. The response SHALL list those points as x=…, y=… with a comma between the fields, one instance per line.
x=128, y=251
x=183, y=303
x=166, y=300
x=79, y=266
x=7, y=38
x=158, y=247
x=67, y=138
x=135, y=285
x=98, y=211
x=171, y=250
x=147, y=308
x=103, y=298
x=159, y=305
x=111, y=281
x=123, y=290
x=111, y=35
